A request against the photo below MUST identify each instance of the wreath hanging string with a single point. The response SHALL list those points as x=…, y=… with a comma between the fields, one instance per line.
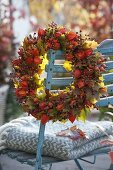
x=84, y=64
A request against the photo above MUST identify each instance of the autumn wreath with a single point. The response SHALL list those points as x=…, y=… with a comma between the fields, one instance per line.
x=85, y=65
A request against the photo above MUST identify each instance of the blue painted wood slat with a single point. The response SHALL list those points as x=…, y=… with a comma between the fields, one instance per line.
x=110, y=88
x=52, y=54
x=106, y=51
x=62, y=81
x=57, y=68
x=105, y=101
x=109, y=65
x=60, y=69
x=59, y=55
x=108, y=77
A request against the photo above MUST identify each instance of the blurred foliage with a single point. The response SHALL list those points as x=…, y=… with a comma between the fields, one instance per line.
x=13, y=109
x=6, y=36
x=93, y=17
x=106, y=113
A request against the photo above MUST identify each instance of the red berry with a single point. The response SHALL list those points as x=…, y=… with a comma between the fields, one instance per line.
x=35, y=100
x=81, y=83
x=88, y=52
x=102, y=68
x=16, y=62
x=29, y=60
x=24, y=84
x=56, y=46
x=41, y=32
x=57, y=34
x=34, y=51
x=77, y=73
x=50, y=104
x=80, y=55
x=42, y=105
x=21, y=93
x=62, y=30
x=44, y=119
x=69, y=57
x=71, y=36
x=37, y=60
x=60, y=107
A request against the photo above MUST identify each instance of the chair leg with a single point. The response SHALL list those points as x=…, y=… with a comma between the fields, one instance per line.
x=90, y=162
x=50, y=166
x=78, y=164
x=0, y=167
x=39, y=147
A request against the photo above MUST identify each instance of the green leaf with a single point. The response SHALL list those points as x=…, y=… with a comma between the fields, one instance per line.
x=82, y=115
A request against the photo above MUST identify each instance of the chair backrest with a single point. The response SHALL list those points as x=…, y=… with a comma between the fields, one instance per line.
x=53, y=68
x=105, y=48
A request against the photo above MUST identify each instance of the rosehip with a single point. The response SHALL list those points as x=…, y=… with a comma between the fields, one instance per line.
x=44, y=119
x=57, y=34
x=80, y=55
x=103, y=90
x=37, y=60
x=50, y=104
x=29, y=60
x=69, y=57
x=22, y=93
x=102, y=68
x=77, y=73
x=88, y=52
x=71, y=36
x=24, y=84
x=81, y=83
x=56, y=46
x=42, y=105
x=16, y=62
x=41, y=32
x=62, y=30
x=60, y=107
x=34, y=51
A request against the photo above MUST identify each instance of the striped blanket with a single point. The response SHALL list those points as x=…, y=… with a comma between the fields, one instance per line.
x=22, y=134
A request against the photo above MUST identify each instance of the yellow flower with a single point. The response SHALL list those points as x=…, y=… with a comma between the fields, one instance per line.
x=101, y=78
x=41, y=94
x=39, y=89
x=93, y=101
x=39, y=82
x=44, y=62
x=16, y=85
x=64, y=120
x=90, y=44
x=67, y=89
x=82, y=115
x=54, y=94
x=36, y=76
x=67, y=65
x=101, y=84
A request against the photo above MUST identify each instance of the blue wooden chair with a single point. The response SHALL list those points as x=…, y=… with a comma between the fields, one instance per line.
x=106, y=48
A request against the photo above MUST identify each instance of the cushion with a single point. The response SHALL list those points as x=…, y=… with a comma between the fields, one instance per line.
x=22, y=134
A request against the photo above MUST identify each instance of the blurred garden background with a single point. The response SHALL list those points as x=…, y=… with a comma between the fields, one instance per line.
x=18, y=18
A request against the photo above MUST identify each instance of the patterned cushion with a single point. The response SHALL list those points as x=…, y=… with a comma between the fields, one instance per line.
x=22, y=134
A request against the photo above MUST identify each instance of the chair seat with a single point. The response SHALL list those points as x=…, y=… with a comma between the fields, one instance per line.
x=27, y=158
